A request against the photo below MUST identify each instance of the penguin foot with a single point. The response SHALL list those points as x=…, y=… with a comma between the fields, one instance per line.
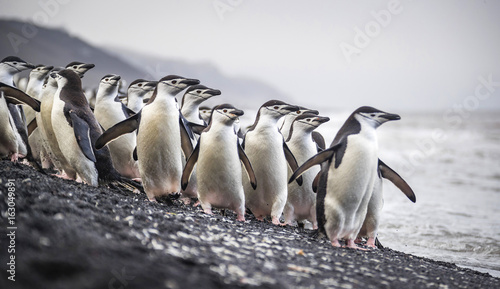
x=139, y=180
x=335, y=243
x=358, y=240
x=276, y=221
x=186, y=200
x=63, y=176
x=152, y=199
x=14, y=157
x=352, y=245
x=371, y=243
x=240, y=218
x=208, y=211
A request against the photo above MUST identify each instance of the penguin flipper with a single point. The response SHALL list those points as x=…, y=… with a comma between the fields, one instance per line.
x=248, y=166
x=319, y=140
x=127, y=111
x=397, y=180
x=317, y=159
x=316, y=182
x=188, y=169
x=134, y=154
x=32, y=126
x=16, y=96
x=197, y=128
x=82, y=133
x=121, y=128
x=186, y=137
x=292, y=162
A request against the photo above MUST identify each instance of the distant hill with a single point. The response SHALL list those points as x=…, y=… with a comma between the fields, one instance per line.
x=57, y=47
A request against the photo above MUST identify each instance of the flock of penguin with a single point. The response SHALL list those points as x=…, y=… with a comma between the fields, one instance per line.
x=152, y=145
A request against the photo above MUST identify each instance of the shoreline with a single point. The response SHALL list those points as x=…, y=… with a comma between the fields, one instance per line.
x=71, y=235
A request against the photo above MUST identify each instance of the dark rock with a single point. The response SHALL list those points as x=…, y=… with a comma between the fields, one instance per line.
x=71, y=235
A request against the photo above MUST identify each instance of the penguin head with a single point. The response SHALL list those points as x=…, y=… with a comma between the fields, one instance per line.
x=199, y=93
x=173, y=84
x=141, y=87
x=302, y=110
x=14, y=64
x=66, y=77
x=205, y=113
x=79, y=67
x=49, y=81
x=277, y=109
x=309, y=121
x=40, y=71
x=110, y=80
x=373, y=116
x=226, y=113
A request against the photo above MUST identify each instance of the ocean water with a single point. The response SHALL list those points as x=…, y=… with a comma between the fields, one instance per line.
x=453, y=166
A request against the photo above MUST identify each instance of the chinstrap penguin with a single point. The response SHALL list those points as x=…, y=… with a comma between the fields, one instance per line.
x=219, y=155
x=108, y=112
x=163, y=138
x=301, y=201
x=347, y=181
x=269, y=155
x=77, y=132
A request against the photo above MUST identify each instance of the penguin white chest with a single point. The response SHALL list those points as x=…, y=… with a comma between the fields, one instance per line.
x=350, y=185
x=159, y=148
x=264, y=149
x=65, y=136
x=219, y=172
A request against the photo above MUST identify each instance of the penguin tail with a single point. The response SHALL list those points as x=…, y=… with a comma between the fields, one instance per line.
x=127, y=184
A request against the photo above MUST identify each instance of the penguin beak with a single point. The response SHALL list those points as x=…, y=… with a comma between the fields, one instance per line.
x=29, y=65
x=190, y=81
x=237, y=112
x=291, y=108
x=214, y=92
x=49, y=68
x=53, y=75
x=322, y=119
x=314, y=112
x=151, y=84
x=88, y=66
x=390, y=116
x=116, y=77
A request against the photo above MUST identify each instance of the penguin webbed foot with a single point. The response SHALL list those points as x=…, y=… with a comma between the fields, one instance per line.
x=352, y=245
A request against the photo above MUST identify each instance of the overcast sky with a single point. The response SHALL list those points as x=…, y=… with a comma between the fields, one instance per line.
x=394, y=55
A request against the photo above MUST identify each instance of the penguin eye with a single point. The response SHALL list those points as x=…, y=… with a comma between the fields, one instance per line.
x=276, y=107
x=107, y=79
x=299, y=112
x=15, y=63
x=140, y=84
x=225, y=110
x=373, y=115
x=74, y=67
x=308, y=119
x=198, y=91
x=174, y=81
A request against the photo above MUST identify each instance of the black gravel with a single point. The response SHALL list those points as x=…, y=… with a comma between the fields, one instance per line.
x=70, y=235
